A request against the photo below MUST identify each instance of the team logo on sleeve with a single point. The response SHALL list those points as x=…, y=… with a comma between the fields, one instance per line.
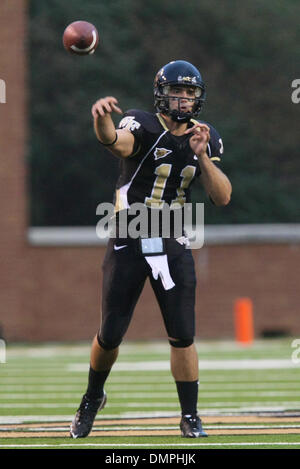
x=161, y=153
x=129, y=123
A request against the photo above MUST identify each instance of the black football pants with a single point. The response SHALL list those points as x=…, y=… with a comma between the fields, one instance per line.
x=124, y=274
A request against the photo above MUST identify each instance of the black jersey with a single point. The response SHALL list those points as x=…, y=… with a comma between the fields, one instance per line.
x=163, y=166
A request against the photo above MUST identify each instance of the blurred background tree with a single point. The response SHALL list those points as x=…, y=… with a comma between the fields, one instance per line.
x=248, y=54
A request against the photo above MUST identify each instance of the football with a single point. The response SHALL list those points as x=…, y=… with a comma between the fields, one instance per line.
x=81, y=37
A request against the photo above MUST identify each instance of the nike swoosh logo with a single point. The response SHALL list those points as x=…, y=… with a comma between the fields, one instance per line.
x=116, y=248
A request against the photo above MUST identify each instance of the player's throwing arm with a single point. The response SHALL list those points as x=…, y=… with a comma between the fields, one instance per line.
x=120, y=142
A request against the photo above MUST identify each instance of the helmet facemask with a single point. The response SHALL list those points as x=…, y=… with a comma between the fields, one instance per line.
x=163, y=96
x=162, y=103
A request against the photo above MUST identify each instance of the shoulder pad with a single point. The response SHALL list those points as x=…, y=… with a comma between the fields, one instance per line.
x=147, y=120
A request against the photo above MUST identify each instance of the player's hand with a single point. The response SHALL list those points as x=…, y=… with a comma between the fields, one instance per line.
x=105, y=106
x=199, y=139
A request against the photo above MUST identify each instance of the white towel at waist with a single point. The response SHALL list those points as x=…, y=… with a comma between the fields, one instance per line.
x=160, y=267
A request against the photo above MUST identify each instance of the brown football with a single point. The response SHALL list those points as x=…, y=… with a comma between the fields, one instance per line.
x=81, y=38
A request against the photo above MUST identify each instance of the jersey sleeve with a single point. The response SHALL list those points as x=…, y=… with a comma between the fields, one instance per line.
x=215, y=148
x=132, y=121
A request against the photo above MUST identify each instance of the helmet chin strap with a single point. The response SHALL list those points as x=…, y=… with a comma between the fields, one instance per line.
x=181, y=117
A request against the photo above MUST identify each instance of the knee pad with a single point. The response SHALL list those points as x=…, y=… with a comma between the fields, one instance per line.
x=108, y=345
x=181, y=343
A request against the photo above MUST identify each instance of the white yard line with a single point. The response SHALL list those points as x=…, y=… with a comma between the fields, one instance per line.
x=118, y=394
x=252, y=364
x=25, y=419
x=147, y=445
x=236, y=405
x=145, y=427
x=115, y=378
x=20, y=419
x=117, y=387
x=125, y=387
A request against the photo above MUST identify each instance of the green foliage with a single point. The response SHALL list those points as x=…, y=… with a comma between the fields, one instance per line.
x=248, y=55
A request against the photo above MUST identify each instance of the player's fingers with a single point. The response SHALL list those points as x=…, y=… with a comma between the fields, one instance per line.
x=202, y=126
x=112, y=99
x=191, y=130
x=99, y=110
x=94, y=112
x=113, y=102
x=205, y=127
x=197, y=129
x=202, y=131
x=207, y=135
x=196, y=139
x=203, y=134
x=199, y=134
x=107, y=106
x=116, y=108
x=103, y=107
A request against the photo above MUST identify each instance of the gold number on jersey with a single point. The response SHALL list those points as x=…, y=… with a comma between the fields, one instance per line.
x=187, y=175
x=163, y=172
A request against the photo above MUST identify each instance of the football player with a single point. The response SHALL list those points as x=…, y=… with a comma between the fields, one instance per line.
x=161, y=155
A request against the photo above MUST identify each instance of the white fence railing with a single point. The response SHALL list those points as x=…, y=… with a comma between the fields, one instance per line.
x=213, y=235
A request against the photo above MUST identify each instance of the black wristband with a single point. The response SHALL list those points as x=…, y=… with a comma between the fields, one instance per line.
x=112, y=143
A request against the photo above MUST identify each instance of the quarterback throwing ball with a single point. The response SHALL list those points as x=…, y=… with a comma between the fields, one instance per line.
x=162, y=154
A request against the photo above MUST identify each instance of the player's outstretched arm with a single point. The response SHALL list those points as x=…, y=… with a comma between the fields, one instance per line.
x=120, y=142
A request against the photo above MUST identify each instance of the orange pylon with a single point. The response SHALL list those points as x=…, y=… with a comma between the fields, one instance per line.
x=243, y=317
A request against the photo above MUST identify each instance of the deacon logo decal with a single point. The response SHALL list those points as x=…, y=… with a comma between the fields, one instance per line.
x=129, y=123
x=161, y=153
x=187, y=79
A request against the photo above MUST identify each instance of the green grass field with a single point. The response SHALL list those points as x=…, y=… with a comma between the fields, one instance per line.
x=249, y=397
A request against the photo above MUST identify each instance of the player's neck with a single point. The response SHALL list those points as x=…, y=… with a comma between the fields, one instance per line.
x=176, y=128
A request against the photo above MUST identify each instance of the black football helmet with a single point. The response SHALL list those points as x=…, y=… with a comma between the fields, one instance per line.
x=178, y=73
